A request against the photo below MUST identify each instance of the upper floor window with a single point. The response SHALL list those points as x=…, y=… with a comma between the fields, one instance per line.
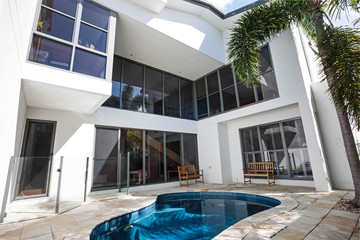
x=72, y=35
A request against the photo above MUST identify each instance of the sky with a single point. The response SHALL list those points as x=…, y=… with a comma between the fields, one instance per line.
x=227, y=6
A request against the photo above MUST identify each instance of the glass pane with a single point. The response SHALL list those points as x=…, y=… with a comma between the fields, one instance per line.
x=106, y=159
x=187, y=105
x=226, y=77
x=250, y=140
x=265, y=62
x=200, y=88
x=294, y=134
x=202, y=107
x=153, y=91
x=89, y=63
x=114, y=99
x=92, y=38
x=171, y=96
x=271, y=137
x=246, y=95
x=259, y=93
x=269, y=86
x=36, y=159
x=173, y=155
x=155, y=157
x=132, y=87
x=229, y=98
x=212, y=83
x=300, y=162
x=51, y=53
x=190, y=150
x=280, y=163
x=65, y=6
x=215, y=105
x=132, y=141
x=95, y=15
x=55, y=24
x=117, y=69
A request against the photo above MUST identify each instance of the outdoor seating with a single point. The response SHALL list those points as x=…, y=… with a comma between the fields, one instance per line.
x=257, y=169
x=189, y=172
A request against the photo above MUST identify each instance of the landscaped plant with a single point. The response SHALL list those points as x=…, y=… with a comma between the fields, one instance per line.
x=337, y=48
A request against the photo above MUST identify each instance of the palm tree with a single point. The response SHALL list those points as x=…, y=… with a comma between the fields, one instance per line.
x=338, y=49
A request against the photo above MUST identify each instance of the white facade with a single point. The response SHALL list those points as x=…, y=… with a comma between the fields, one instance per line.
x=177, y=37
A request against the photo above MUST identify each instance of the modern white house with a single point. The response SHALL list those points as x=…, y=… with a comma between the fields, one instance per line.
x=97, y=80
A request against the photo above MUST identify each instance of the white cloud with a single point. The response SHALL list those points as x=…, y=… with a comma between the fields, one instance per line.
x=220, y=4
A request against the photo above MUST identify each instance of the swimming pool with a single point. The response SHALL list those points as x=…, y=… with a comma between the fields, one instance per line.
x=195, y=215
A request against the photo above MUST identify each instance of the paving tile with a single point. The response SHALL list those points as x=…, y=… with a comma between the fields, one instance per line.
x=344, y=214
x=42, y=237
x=11, y=234
x=321, y=233
x=36, y=229
x=291, y=234
x=338, y=224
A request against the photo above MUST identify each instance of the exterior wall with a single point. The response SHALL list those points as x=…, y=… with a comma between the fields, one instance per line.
x=12, y=101
x=293, y=102
x=75, y=140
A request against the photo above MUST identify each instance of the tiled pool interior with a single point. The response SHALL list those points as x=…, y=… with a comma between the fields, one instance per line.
x=195, y=215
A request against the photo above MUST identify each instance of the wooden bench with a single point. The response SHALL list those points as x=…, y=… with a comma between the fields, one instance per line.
x=189, y=172
x=263, y=169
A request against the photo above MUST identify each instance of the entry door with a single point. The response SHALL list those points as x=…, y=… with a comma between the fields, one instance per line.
x=35, y=161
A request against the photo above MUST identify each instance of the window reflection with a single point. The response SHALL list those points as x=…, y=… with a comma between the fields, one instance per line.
x=173, y=155
x=154, y=157
x=153, y=91
x=171, y=96
x=95, y=15
x=51, y=53
x=92, y=38
x=187, y=108
x=89, y=63
x=65, y=6
x=55, y=24
x=132, y=87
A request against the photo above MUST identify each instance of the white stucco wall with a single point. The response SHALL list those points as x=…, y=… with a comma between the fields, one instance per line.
x=12, y=105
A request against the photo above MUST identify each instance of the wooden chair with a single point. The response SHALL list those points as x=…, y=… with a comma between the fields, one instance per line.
x=189, y=172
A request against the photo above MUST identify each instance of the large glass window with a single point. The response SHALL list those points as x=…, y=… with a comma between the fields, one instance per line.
x=150, y=90
x=54, y=37
x=201, y=98
x=187, y=106
x=214, y=95
x=153, y=91
x=266, y=144
x=152, y=159
x=228, y=89
x=171, y=95
x=173, y=155
x=114, y=100
x=132, y=87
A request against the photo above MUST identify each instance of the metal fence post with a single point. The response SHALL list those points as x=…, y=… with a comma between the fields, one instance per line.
x=128, y=173
x=59, y=185
x=86, y=177
x=7, y=188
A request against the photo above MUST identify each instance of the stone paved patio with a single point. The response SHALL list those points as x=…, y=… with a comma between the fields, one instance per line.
x=302, y=214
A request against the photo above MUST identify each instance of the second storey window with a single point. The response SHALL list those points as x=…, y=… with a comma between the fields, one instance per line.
x=72, y=35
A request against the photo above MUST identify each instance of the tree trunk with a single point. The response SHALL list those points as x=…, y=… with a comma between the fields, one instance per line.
x=349, y=142
x=351, y=152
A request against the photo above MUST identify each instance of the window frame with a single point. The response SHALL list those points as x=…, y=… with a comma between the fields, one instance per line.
x=74, y=44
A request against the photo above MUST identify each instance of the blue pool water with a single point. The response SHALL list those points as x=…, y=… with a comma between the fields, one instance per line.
x=198, y=215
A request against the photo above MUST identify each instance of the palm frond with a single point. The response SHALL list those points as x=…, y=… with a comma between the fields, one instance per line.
x=341, y=60
x=337, y=7
x=256, y=26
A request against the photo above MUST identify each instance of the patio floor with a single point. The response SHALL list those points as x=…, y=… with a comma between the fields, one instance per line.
x=302, y=214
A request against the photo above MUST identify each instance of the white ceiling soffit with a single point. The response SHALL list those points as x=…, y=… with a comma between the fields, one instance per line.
x=155, y=6
x=141, y=43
